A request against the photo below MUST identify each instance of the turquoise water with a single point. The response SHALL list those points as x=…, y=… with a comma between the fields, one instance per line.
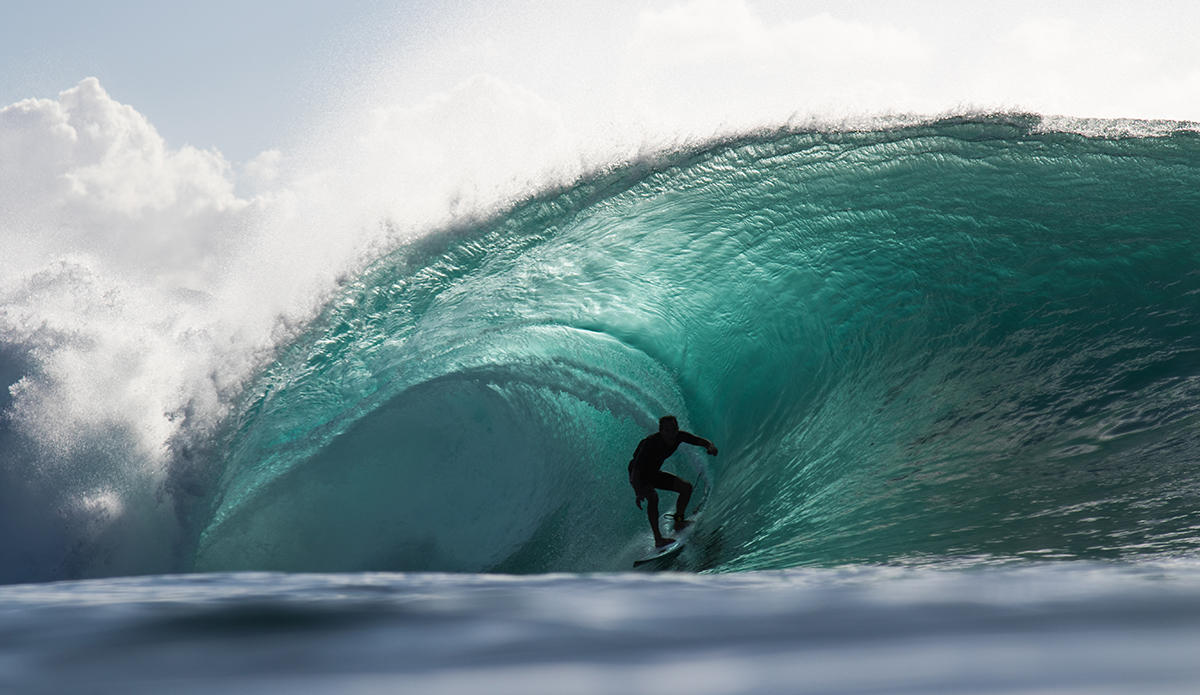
x=969, y=340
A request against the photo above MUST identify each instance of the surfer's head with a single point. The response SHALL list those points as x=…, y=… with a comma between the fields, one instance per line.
x=668, y=426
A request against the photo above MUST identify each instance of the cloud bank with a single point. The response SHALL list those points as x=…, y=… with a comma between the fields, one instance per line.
x=86, y=174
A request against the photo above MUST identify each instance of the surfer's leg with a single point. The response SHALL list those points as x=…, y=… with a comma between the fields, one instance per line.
x=652, y=512
x=666, y=481
x=684, y=488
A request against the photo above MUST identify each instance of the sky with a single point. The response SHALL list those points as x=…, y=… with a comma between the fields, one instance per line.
x=222, y=73
x=247, y=76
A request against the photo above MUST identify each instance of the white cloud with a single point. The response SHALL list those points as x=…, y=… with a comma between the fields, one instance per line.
x=469, y=148
x=1047, y=39
x=1058, y=65
x=709, y=31
x=484, y=133
x=121, y=164
x=86, y=174
x=731, y=58
x=262, y=171
x=700, y=32
x=720, y=64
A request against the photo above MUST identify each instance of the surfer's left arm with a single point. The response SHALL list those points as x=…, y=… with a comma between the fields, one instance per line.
x=689, y=438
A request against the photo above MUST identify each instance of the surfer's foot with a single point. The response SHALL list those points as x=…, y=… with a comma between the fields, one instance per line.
x=680, y=522
x=661, y=542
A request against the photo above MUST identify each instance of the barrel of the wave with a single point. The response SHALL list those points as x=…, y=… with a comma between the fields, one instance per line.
x=504, y=459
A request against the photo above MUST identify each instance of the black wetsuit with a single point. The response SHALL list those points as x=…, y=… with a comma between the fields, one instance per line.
x=650, y=454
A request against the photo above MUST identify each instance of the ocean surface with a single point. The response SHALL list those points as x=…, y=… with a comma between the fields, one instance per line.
x=952, y=366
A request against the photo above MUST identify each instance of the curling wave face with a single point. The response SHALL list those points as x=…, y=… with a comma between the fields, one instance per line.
x=976, y=337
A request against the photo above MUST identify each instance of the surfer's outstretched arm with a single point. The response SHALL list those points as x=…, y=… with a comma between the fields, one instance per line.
x=689, y=438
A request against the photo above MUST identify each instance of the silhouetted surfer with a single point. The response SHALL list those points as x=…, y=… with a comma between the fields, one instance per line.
x=645, y=474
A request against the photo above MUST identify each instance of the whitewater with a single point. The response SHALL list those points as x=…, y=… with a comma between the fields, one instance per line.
x=952, y=365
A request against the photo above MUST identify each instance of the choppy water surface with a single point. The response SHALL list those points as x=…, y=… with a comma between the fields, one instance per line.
x=1061, y=628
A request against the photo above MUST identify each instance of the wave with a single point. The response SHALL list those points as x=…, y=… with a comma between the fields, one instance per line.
x=967, y=340
x=976, y=337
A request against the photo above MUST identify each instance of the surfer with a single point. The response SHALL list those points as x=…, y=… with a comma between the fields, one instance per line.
x=645, y=474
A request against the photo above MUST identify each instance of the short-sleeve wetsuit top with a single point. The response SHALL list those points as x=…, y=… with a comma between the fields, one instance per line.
x=652, y=451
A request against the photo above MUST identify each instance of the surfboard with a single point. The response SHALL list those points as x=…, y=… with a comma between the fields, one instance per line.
x=670, y=549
